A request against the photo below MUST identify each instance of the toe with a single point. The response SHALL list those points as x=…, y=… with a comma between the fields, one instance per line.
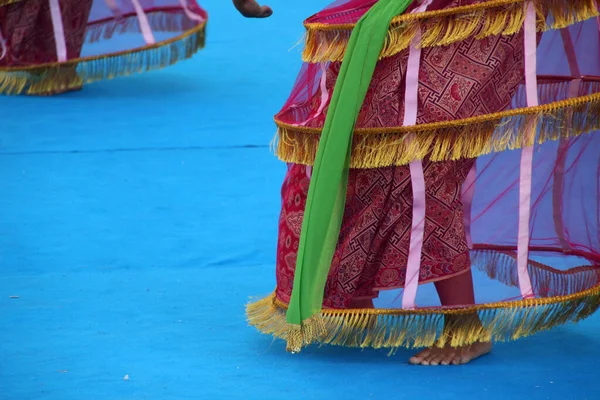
x=419, y=357
x=436, y=360
x=448, y=358
x=433, y=356
x=445, y=356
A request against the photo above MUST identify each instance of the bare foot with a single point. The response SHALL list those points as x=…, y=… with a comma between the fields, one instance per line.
x=451, y=355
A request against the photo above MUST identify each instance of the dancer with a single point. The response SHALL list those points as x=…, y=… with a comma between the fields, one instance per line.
x=54, y=46
x=410, y=136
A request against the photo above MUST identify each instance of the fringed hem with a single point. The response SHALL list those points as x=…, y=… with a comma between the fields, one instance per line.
x=60, y=77
x=327, y=42
x=424, y=327
x=299, y=336
x=449, y=140
x=546, y=281
x=391, y=328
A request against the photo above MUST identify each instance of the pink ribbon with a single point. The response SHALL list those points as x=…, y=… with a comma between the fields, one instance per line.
x=411, y=282
x=189, y=13
x=324, y=91
x=324, y=97
x=2, y=45
x=112, y=4
x=59, y=31
x=530, y=44
x=144, y=24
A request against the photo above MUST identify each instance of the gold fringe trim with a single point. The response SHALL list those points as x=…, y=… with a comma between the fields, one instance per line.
x=327, y=42
x=449, y=140
x=546, y=281
x=299, y=336
x=571, y=295
x=394, y=328
x=60, y=77
x=160, y=21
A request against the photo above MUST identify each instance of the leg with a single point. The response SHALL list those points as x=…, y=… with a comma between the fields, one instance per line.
x=454, y=291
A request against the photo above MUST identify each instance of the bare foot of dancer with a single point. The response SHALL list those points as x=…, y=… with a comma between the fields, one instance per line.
x=455, y=291
x=451, y=355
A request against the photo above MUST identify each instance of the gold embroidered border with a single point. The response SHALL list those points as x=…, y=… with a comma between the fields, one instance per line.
x=59, y=77
x=449, y=140
x=327, y=42
x=393, y=328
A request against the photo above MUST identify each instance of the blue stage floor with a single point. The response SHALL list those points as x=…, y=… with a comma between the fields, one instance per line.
x=138, y=216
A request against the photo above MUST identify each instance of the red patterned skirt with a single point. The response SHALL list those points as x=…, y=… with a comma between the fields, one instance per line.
x=372, y=250
x=27, y=28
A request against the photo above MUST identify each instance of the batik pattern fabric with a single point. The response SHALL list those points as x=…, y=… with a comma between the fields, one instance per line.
x=373, y=247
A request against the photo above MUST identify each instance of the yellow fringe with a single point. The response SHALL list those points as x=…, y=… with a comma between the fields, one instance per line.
x=449, y=140
x=424, y=327
x=298, y=336
x=60, y=77
x=327, y=42
x=546, y=281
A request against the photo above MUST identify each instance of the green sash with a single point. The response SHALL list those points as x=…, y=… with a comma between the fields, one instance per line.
x=327, y=191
